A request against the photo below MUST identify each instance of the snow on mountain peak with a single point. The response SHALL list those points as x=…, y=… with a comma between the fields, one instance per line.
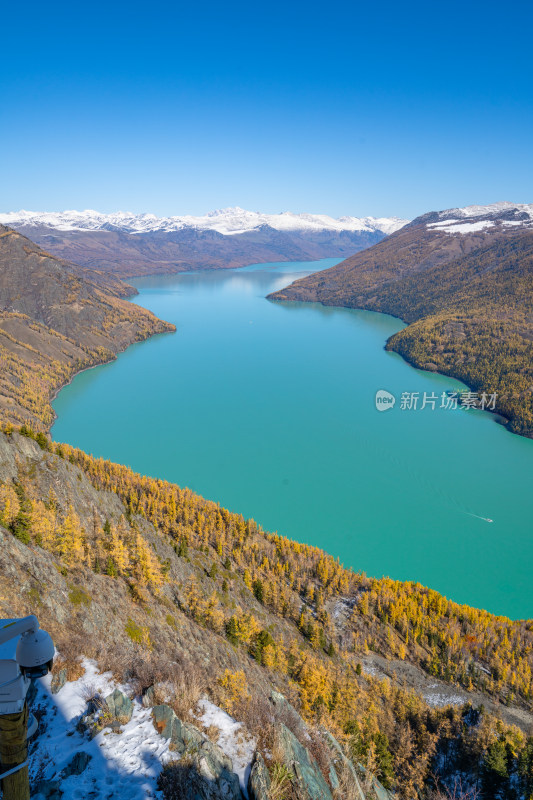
x=494, y=209
x=473, y=219
x=227, y=221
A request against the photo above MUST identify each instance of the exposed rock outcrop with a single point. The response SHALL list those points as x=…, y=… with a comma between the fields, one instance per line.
x=77, y=765
x=58, y=680
x=204, y=771
x=337, y=778
x=307, y=779
x=259, y=781
x=119, y=706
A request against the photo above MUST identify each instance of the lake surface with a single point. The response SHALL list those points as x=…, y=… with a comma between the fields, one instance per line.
x=270, y=409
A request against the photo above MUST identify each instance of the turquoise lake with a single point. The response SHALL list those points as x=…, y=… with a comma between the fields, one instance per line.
x=270, y=410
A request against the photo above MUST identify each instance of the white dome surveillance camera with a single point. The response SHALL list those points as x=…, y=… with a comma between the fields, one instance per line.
x=35, y=653
x=26, y=653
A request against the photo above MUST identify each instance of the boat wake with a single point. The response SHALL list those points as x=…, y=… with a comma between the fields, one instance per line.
x=485, y=519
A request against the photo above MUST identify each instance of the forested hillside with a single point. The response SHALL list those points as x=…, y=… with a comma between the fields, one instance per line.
x=466, y=296
x=56, y=320
x=141, y=575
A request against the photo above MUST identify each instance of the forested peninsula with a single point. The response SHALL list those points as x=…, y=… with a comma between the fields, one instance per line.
x=465, y=291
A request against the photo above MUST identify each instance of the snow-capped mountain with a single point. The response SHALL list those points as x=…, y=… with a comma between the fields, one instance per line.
x=432, y=240
x=141, y=244
x=227, y=221
x=474, y=219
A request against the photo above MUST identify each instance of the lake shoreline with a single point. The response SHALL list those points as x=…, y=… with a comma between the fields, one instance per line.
x=275, y=453
x=498, y=416
x=54, y=394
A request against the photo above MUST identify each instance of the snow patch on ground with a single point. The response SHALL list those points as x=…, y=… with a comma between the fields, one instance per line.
x=436, y=697
x=370, y=669
x=231, y=739
x=122, y=765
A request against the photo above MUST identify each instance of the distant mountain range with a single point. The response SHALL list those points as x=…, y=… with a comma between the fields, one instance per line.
x=463, y=280
x=142, y=244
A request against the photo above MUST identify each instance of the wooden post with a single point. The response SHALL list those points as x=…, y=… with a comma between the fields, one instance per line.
x=14, y=751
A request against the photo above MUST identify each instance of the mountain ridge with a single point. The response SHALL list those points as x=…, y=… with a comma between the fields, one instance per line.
x=228, y=221
x=128, y=245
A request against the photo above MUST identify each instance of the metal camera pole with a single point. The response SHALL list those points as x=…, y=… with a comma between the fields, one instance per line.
x=26, y=653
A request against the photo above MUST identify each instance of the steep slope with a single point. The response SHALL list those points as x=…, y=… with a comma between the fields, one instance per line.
x=180, y=599
x=170, y=591
x=55, y=321
x=464, y=280
x=129, y=244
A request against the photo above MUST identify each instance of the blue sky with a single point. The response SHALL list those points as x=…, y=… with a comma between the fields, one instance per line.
x=341, y=108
